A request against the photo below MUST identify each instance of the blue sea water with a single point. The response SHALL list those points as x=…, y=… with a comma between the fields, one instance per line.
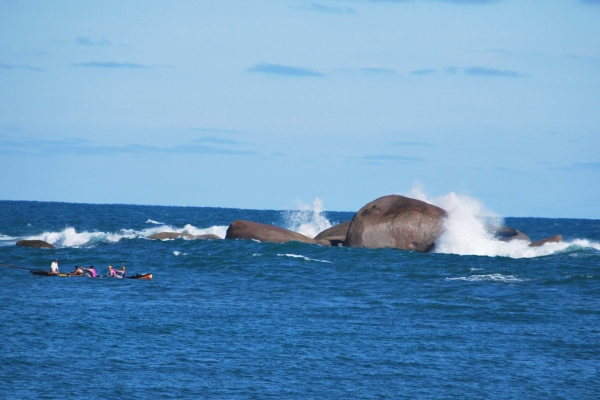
x=236, y=319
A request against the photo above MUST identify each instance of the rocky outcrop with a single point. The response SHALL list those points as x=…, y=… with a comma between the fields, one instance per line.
x=552, y=239
x=36, y=244
x=334, y=236
x=507, y=234
x=398, y=222
x=177, y=235
x=241, y=229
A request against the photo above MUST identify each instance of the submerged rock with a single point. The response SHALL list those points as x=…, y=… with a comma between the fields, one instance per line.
x=551, y=239
x=398, y=222
x=177, y=235
x=241, y=229
x=36, y=244
x=334, y=236
x=507, y=234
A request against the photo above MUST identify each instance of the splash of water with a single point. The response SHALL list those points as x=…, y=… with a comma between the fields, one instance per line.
x=307, y=220
x=69, y=237
x=467, y=231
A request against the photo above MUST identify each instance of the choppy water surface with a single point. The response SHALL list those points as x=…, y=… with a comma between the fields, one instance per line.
x=243, y=319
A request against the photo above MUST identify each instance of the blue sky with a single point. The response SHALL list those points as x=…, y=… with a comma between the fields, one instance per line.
x=259, y=104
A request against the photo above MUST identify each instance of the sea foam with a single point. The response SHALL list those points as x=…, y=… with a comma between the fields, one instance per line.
x=70, y=237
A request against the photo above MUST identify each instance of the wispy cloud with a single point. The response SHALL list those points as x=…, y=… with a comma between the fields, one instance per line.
x=25, y=67
x=84, y=41
x=379, y=158
x=427, y=71
x=491, y=72
x=219, y=130
x=86, y=147
x=380, y=71
x=423, y=144
x=588, y=165
x=109, y=65
x=284, y=70
x=212, y=139
x=331, y=9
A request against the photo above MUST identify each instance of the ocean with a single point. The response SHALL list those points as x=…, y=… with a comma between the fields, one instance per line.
x=236, y=319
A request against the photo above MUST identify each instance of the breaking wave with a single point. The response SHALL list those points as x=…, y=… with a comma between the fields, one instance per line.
x=70, y=237
x=307, y=220
x=488, y=278
x=466, y=232
x=303, y=258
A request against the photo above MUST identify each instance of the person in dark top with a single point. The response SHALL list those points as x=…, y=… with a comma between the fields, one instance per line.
x=121, y=273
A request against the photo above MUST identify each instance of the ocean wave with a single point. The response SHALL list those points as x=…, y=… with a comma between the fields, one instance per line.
x=303, y=258
x=70, y=237
x=488, y=278
x=466, y=232
x=151, y=221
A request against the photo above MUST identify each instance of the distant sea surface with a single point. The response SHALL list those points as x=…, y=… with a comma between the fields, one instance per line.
x=236, y=319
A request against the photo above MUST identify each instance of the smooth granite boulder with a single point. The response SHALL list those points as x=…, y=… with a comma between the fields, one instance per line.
x=507, y=234
x=177, y=235
x=241, y=229
x=398, y=222
x=36, y=244
x=551, y=239
x=335, y=236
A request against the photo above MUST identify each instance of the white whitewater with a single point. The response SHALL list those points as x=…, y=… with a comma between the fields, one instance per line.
x=307, y=220
x=466, y=232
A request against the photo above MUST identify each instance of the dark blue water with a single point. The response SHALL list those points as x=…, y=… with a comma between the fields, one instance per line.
x=242, y=319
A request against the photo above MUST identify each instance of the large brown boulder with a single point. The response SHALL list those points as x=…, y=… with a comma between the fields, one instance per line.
x=36, y=244
x=336, y=235
x=398, y=222
x=177, y=235
x=552, y=239
x=508, y=234
x=262, y=232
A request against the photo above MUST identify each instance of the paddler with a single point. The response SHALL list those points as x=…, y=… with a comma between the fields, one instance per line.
x=111, y=272
x=77, y=272
x=54, y=268
x=92, y=272
x=121, y=272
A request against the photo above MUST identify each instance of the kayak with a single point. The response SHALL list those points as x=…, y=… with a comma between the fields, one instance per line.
x=46, y=273
x=139, y=276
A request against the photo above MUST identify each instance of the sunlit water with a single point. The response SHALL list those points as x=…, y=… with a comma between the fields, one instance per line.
x=243, y=319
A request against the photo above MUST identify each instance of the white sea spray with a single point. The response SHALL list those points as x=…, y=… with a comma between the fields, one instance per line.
x=467, y=231
x=308, y=220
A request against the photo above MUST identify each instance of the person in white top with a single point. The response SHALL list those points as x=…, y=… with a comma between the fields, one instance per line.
x=54, y=268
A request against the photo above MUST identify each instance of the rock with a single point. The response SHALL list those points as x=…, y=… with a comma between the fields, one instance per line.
x=208, y=236
x=552, y=239
x=177, y=235
x=36, y=244
x=336, y=233
x=507, y=234
x=398, y=222
x=265, y=233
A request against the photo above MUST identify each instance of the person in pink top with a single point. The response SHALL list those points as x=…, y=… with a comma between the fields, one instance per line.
x=112, y=273
x=91, y=272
